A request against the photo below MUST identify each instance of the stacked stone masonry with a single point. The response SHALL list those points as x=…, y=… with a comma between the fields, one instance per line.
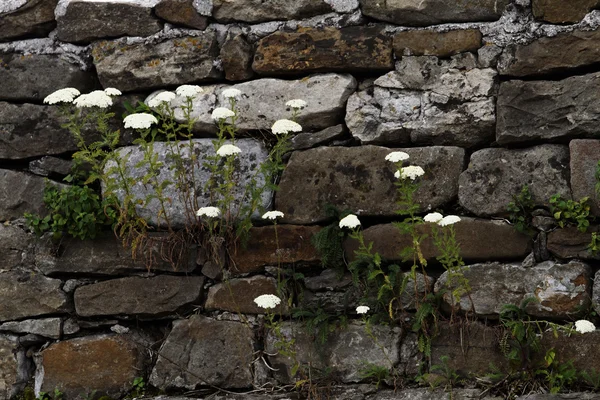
x=485, y=95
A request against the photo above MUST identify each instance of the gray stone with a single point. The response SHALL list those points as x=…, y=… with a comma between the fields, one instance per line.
x=236, y=57
x=20, y=193
x=346, y=351
x=176, y=210
x=15, y=367
x=48, y=327
x=138, y=296
x=107, y=363
x=181, y=12
x=169, y=62
x=25, y=294
x=216, y=353
x=50, y=166
x=560, y=290
x=439, y=44
x=306, y=140
x=254, y=11
x=585, y=155
x=566, y=396
x=488, y=55
x=15, y=247
x=361, y=180
x=428, y=394
x=554, y=54
x=548, y=110
x=237, y=295
x=426, y=101
x=570, y=243
x=35, y=18
x=494, y=176
x=343, y=6
x=433, y=12
x=32, y=77
x=85, y=21
x=328, y=279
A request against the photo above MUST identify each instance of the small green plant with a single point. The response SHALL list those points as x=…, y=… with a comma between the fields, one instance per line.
x=56, y=395
x=446, y=375
x=594, y=244
x=573, y=212
x=520, y=339
x=319, y=322
x=520, y=210
x=329, y=241
x=375, y=373
x=597, y=177
x=591, y=378
x=558, y=375
x=138, y=387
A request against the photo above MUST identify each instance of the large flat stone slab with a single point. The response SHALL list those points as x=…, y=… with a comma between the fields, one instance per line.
x=15, y=247
x=203, y=351
x=237, y=295
x=47, y=327
x=560, y=12
x=426, y=101
x=560, y=290
x=439, y=44
x=138, y=296
x=570, y=243
x=35, y=18
x=585, y=155
x=20, y=193
x=359, y=179
x=181, y=12
x=548, y=55
x=548, y=110
x=433, y=12
x=108, y=363
x=255, y=11
x=352, y=49
x=494, y=176
x=170, y=62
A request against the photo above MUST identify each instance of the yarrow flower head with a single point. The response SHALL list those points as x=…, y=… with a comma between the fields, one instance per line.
x=140, y=121
x=162, y=97
x=267, y=301
x=228, y=150
x=362, y=309
x=220, y=113
x=434, y=217
x=111, y=91
x=449, y=220
x=188, y=90
x=210, y=212
x=350, y=221
x=397, y=156
x=65, y=95
x=97, y=98
x=296, y=104
x=584, y=326
x=231, y=93
x=412, y=172
x=273, y=215
x=284, y=126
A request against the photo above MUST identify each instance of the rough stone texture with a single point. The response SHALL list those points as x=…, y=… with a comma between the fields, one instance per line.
x=203, y=351
x=15, y=367
x=85, y=21
x=237, y=295
x=47, y=327
x=426, y=101
x=107, y=363
x=34, y=19
x=359, y=179
x=561, y=290
x=472, y=348
x=51, y=166
x=253, y=153
x=254, y=11
x=263, y=102
x=566, y=396
x=432, y=43
x=236, y=57
x=494, y=176
x=25, y=294
x=352, y=49
x=428, y=394
x=306, y=140
x=14, y=246
x=20, y=193
x=138, y=296
x=560, y=12
x=291, y=245
x=32, y=77
x=432, y=12
x=479, y=240
x=345, y=352
x=576, y=348
x=569, y=243
x=551, y=54
x=585, y=155
x=144, y=66
x=548, y=110
x=181, y=12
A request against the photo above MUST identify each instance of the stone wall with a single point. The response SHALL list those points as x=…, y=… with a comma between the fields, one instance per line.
x=486, y=96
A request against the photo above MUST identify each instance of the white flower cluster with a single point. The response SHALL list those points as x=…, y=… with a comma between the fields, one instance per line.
x=228, y=150
x=267, y=301
x=396, y=156
x=162, y=97
x=285, y=126
x=220, y=113
x=66, y=95
x=350, y=221
x=188, y=90
x=362, y=309
x=111, y=91
x=231, y=93
x=584, y=326
x=97, y=98
x=412, y=172
x=140, y=121
x=437, y=218
x=297, y=104
x=272, y=215
x=210, y=212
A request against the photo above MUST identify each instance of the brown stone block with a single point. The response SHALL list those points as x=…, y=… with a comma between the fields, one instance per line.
x=440, y=44
x=33, y=19
x=237, y=295
x=181, y=12
x=562, y=12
